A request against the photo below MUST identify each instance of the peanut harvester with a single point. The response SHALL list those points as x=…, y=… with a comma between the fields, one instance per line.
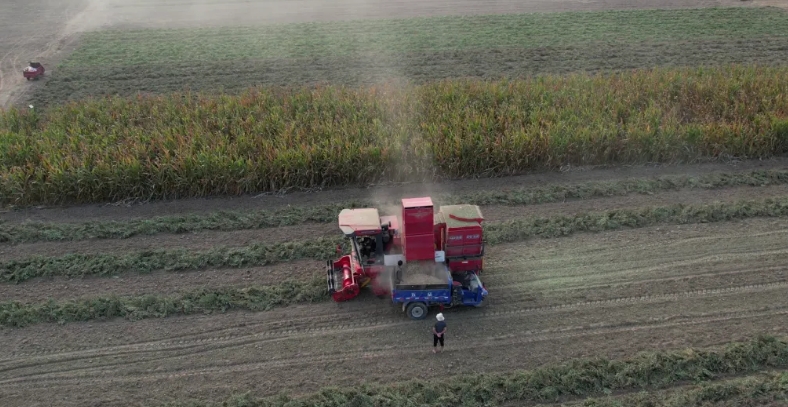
x=419, y=259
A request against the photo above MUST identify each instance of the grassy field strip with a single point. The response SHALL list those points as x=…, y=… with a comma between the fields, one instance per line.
x=84, y=82
x=77, y=265
x=236, y=220
x=574, y=379
x=267, y=140
x=426, y=34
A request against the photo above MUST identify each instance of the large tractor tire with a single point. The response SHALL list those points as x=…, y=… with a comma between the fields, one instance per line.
x=417, y=310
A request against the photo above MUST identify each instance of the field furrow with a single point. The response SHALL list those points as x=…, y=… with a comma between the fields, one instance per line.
x=492, y=213
x=654, y=216
x=528, y=346
x=598, y=297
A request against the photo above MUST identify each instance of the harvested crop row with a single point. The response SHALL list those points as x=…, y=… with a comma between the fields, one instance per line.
x=79, y=265
x=74, y=265
x=264, y=140
x=238, y=220
x=761, y=390
x=578, y=378
x=15, y=314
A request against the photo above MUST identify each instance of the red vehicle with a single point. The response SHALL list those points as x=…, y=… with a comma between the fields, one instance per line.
x=33, y=71
x=382, y=248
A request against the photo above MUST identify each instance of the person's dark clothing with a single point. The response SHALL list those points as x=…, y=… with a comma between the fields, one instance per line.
x=436, y=339
x=440, y=327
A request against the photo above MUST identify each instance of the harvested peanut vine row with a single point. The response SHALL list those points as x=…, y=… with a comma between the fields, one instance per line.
x=74, y=265
x=15, y=314
x=577, y=378
x=765, y=389
x=238, y=220
x=189, y=145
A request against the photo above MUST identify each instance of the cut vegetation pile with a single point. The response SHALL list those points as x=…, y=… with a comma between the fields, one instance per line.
x=197, y=145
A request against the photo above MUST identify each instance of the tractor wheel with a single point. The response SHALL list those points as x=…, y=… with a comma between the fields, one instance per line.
x=417, y=310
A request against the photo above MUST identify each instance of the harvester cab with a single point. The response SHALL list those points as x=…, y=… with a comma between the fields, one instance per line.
x=370, y=237
x=419, y=259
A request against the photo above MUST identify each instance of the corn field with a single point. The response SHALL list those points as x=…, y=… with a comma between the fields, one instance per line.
x=192, y=145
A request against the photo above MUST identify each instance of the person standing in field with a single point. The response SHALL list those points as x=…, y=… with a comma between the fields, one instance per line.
x=438, y=332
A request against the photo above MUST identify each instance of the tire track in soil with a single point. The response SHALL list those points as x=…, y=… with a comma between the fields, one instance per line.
x=773, y=263
x=304, y=379
x=97, y=375
x=138, y=15
x=321, y=327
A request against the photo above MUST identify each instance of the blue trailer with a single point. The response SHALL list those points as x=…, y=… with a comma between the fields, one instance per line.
x=421, y=285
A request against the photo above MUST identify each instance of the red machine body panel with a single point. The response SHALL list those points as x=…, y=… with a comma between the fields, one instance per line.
x=419, y=247
x=349, y=288
x=464, y=233
x=439, y=231
x=417, y=216
x=463, y=240
x=466, y=265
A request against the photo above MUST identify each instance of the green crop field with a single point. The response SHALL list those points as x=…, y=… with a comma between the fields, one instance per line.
x=417, y=50
x=186, y=146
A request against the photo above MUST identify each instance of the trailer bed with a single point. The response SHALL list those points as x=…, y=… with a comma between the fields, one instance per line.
x=423, y=275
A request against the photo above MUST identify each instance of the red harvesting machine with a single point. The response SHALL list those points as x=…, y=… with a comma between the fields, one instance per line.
x=448, y=242
x=33, y=71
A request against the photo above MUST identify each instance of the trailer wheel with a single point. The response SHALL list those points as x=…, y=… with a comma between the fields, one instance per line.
x=417, y=310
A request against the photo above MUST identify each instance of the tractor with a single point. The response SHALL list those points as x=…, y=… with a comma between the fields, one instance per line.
x=34, y=71
x=418, y=258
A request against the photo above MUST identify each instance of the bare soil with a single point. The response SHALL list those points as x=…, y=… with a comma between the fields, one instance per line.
x=612, y=294
x=38, y=31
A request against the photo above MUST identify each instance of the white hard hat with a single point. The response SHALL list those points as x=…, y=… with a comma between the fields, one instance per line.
x=439, y=317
